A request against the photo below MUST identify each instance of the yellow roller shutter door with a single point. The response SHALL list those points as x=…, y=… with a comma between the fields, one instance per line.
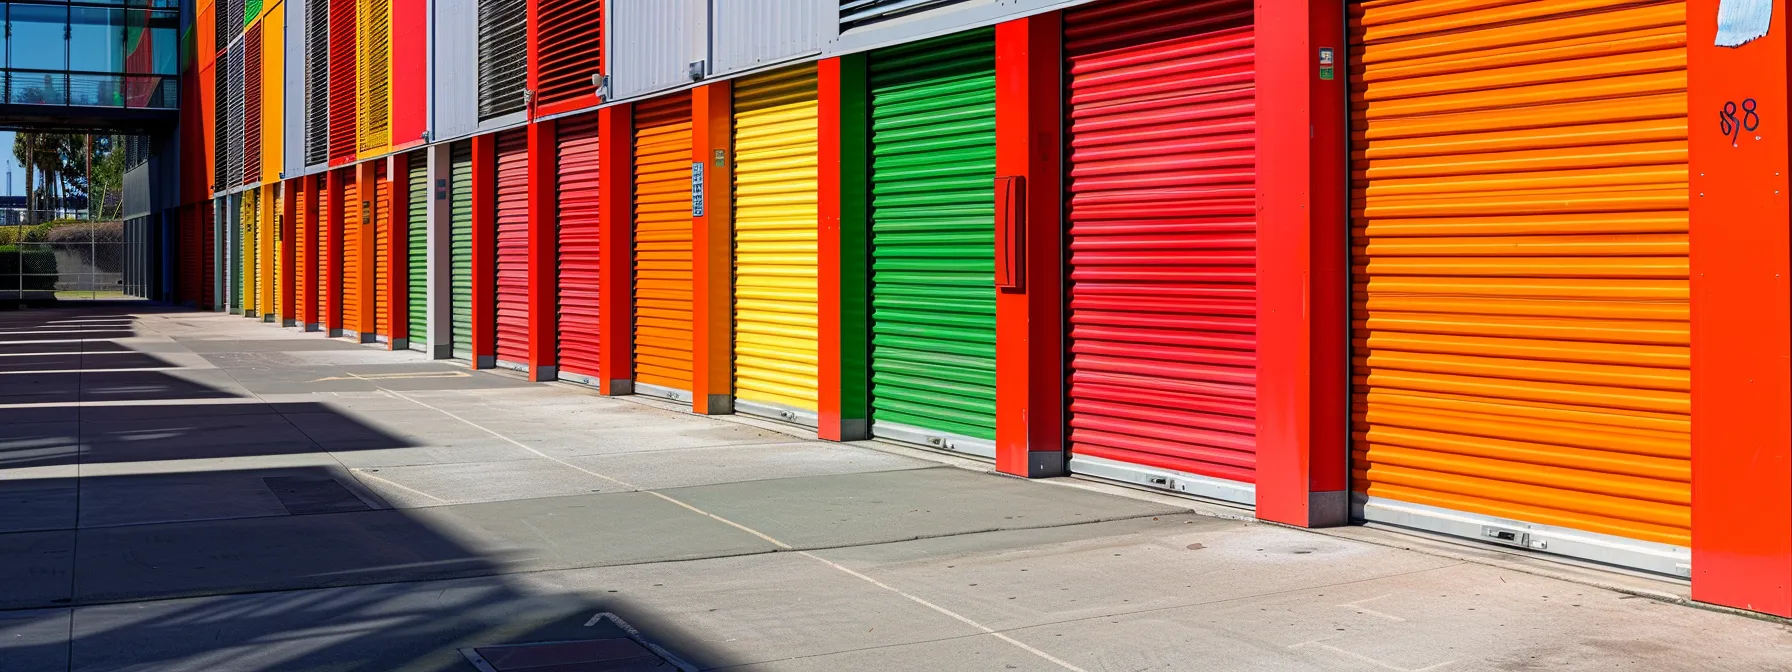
x=775, y=221
x=1519, y=195
x=251, y=268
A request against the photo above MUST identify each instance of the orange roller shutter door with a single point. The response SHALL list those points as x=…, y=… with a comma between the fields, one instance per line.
x=663, y=242
x=1520, y=315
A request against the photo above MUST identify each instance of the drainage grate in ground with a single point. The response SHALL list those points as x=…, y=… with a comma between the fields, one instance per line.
x=307, y=495
x=622, y=651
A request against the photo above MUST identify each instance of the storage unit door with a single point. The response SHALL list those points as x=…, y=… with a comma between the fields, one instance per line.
x=301, y=242
x=327, y=268
x=775, y=265
x=578, y=260
x=417, y=253
x=251, y=266
x=1163, y=349
x=282, y=308
x=382, y=258
x=460, y=233
x=933, y=297
x=663, y=242
x=1519, y=203
x=513, y=248
x=353, y=244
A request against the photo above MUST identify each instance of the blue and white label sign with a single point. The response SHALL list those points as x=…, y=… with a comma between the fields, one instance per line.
x=696, y=188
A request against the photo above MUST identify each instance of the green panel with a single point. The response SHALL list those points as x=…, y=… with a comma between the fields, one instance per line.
x=251, y=12
x=933, y=300
x=417, y=234
x=460, y=224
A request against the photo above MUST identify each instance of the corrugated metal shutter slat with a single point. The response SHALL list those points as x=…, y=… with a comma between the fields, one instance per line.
x=248, y=268
x=373, y=69
x=343, y=79
x=353, y=246
x=460, y=230
x=663, y=242
x=513, y=246
x=417, y=236
x=382, y=260
x=775, y=238
x=317, y=82
x=933, y=235
x=1519, y=200
x=579, y=239
x=328, y=272
x=252, y=106
x=302, y=236
x=1163, y=235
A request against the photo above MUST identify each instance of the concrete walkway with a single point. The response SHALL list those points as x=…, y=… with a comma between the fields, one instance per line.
x=191, y=491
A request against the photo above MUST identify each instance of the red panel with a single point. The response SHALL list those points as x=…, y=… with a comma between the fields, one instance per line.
x=410, y=73
x=1741, y=318
x=252, y=105
x=187, y=285
x=352, y=248
x=580, y=246
x=208, y=239
x=569, y=50
x=382, y=250
x=513, y=246
x=1163, y=238
x=342, y=81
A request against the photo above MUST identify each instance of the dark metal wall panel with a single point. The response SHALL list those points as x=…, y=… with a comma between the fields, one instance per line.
x=317, y=81
x=503, y=57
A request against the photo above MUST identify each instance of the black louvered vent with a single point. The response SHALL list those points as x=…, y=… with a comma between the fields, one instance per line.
x=503, y=56
x=317, y=81
x=236, y=112
x=236, y=18
x=854, y=13
x=221, y=125
x=221, y=31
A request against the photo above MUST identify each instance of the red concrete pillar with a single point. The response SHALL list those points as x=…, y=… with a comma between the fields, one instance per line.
x=285, y=226
x=712, y=249
x=543, y=242
x=332, y=276
x=616, y=263
x=365, y=188
x=398, y=253
x=1741, y=316
x=843, y=273
x=485, y=251
x=1029, y=247
x=1302, y=287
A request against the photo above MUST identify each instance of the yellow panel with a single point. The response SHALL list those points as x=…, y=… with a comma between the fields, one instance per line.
x=373, y=76
x=265, y=252
x=1519, y=193
x=663, y=242
x=273, y=94
x=282, y=309
x=775, y=222
x=250, y=269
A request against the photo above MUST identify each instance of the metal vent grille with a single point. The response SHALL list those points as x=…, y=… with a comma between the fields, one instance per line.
x=235, y=134
x=221, y=125
x=317, y=82
x=374, y=69
x=252, y=105
x=235, y=15
x=503, y=56
x=855, y=13
x=571, y=50
x=342, y=79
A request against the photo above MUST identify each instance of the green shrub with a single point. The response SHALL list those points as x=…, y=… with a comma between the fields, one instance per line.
x=84, y=232
x=37, y=266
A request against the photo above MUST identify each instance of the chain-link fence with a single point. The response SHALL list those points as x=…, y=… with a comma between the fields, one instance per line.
x=65, y=260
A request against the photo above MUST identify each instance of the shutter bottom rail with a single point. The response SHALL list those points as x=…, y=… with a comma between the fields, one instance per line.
x=1604, y=549
x=933, y=438
x=780, y=412
x=1236, y=493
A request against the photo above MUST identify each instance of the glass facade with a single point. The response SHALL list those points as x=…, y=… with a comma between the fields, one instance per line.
x=95, y=53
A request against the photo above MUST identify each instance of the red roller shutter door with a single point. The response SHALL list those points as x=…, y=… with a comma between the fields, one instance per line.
x=576, y=202
x=329, y=272
x=382, y=267
x=1163, y=244
x=303, y=239
x=513, y=249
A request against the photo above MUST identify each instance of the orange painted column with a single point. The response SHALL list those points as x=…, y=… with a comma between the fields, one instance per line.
x=398, y=255
x=332, y=276
x=289, y=203
x=544, y=241
x=364, y=193
x=1741, y=315
x=712, y=249
x=1029, y=247
x=485, y=251
x=1302, y=287
x=616, y=257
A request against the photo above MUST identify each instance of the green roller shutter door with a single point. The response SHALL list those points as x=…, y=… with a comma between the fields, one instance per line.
x=460, y=223
x=933, y=349
x=417, y=255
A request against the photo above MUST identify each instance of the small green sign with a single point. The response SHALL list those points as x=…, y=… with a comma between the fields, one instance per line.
x=1325, y=73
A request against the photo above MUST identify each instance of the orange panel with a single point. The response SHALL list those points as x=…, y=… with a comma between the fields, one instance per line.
x=663, y=242
x=1520, y=315
x=352, y=248
x=382, y=254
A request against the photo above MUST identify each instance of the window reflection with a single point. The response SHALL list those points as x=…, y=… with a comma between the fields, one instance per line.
x=111, y=53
